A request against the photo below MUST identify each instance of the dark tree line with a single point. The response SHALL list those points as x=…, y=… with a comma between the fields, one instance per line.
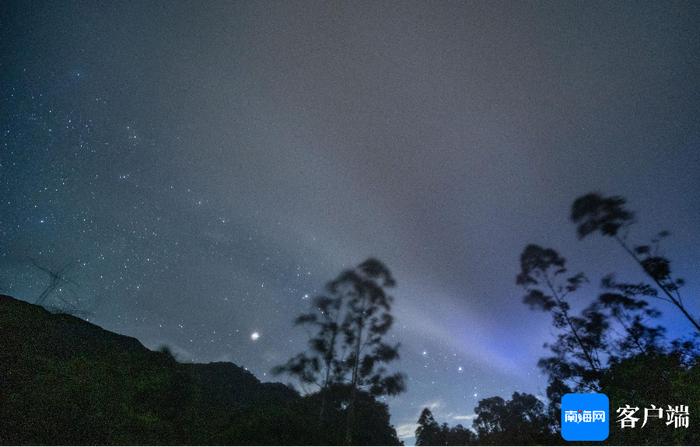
x=613, y=345
x=430, y=432
x=522, y=420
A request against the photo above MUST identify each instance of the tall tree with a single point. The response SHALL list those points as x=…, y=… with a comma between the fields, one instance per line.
x=321, y=365
x=367, y=320
x=347, y=345
x=594, y=213
x=543, y=275
x=428, y=431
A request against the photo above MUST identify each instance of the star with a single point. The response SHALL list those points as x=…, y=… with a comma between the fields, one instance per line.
x=254, y=336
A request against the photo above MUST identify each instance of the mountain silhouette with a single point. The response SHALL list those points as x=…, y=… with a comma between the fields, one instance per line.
x=67, y=381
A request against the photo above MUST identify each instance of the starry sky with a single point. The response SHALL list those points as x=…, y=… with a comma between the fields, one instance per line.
x=205, y=169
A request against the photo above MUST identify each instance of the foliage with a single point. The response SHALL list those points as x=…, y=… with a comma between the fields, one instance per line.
x=347, y=328
x=594, y=213
x=659, y=379
x=429, y=432
x=347, y=345
x=523, y=420
x=66, y=381
x=576, y=359
x=613, y=345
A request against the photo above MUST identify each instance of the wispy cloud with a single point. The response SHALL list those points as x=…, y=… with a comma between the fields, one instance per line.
x=464, y=417
x=432, y=405
x=406, y=430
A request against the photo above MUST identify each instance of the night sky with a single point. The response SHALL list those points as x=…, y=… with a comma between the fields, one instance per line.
x=205, y=168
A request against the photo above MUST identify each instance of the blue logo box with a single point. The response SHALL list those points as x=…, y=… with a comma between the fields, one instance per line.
x=585, y=417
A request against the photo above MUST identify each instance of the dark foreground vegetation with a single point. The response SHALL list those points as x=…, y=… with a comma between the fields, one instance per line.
x=66, y=381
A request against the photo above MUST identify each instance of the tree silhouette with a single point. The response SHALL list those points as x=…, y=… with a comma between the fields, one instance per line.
x=521, y=420
x=576, y=349
x=347, y=343
x=593, y=213
x=367, y=320
x=623, y=308
x=321, y=365
x=428, y=431
x=613, y=344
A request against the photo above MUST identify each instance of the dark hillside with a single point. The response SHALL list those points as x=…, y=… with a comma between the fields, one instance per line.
x=66, y=381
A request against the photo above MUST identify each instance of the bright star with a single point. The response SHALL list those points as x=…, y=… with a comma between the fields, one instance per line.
x=254, y=336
